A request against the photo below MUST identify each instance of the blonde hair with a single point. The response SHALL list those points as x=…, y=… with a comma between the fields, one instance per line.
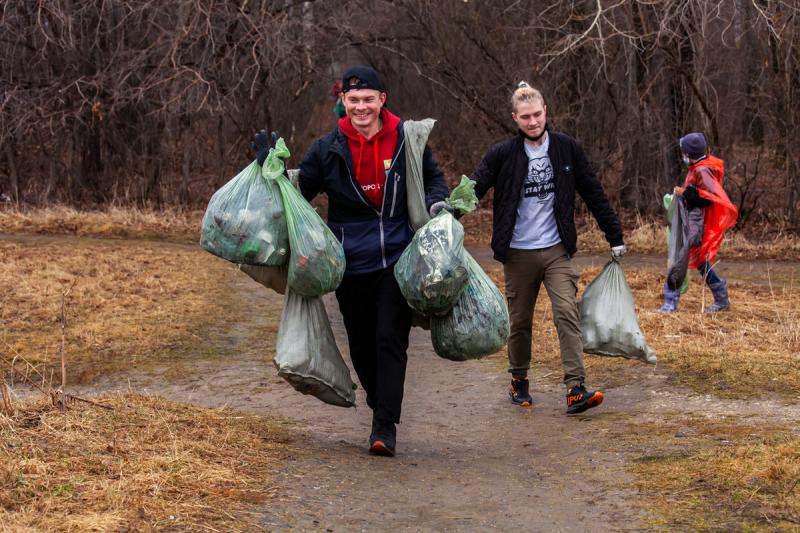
x=525, y=93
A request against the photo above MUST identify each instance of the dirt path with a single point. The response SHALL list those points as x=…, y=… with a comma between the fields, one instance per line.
x=467, y=460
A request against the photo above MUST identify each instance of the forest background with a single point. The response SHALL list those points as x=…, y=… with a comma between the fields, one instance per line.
x=154, y=104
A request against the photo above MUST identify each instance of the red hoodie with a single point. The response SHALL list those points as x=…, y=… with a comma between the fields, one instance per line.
x=372, y=158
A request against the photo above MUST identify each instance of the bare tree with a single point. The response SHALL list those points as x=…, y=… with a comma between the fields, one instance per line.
x=143, y=102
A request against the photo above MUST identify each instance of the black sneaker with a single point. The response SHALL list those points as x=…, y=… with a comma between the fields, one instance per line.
x=579, y=399
x=382, y=439
x=518, y=392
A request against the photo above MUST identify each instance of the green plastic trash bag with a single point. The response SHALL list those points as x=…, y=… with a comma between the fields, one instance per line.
x=463, y=198
x=669, y=205
x=478, y=323
x=609, y=325
x=244, y=221
x=306, y=354
x=316, y=262
x=432, y=271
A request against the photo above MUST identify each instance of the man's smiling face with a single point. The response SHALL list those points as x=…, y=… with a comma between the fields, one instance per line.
x=363, y=106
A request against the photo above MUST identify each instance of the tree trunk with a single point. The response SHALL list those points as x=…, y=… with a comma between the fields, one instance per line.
x=13, y=173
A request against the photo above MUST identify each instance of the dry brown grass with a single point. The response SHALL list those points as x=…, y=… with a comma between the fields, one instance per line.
x=751, y=351
x=146, y=465
x=149, y=464
x=703, y=474
x=112, y=222
x=134, y=300
x=131, y=300
x=642, y=235
x=647, y=236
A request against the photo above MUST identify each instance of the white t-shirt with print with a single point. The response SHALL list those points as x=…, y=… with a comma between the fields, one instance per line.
x=536, y=221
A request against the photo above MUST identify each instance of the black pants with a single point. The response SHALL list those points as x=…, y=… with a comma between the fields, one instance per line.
x=378, y=321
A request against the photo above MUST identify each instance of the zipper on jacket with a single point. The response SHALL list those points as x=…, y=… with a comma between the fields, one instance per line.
x=399, y=148
x=383, y=245
x=394, y=193
x=379, y=213
x=383, y=201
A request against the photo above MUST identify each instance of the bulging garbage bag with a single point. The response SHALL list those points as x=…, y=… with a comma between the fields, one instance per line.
x=478, y=323
x=686, y=232
x=316, y=262
x=306, y=354
x=609, y=325
x=244, y=221
x=432, y=270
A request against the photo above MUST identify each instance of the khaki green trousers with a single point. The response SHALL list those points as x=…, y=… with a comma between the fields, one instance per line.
x=525, y=271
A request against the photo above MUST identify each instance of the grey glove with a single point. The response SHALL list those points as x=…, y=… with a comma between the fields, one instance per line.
x=618, y=251
x=438, y=206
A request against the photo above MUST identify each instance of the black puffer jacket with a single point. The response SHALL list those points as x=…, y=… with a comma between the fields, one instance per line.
x=505, y=166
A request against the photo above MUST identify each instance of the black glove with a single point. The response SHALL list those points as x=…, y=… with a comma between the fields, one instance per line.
x=693, y=198
x=262, y=144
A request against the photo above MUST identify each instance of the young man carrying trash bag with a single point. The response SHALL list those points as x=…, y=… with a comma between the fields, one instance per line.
x=708, y=214
x=361, y=166
x=535, y=176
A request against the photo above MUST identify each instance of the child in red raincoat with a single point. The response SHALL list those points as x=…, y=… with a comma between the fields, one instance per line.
x=702, y=189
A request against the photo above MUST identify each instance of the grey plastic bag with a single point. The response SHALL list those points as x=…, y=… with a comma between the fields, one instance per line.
x=686, y=232
x=669, y=205
x=478, y=323
x=307, y=356
x=609, y=325
x=416, y=134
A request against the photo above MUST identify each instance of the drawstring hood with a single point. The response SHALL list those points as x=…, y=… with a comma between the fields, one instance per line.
x=372, y=157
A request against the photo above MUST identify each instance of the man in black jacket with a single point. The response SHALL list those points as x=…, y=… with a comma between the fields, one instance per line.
x=535, y=176
x=361, y=166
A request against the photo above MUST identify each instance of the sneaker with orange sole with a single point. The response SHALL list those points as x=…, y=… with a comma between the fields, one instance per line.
x=383, y=438
x=518, y=392
x=579, y=399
